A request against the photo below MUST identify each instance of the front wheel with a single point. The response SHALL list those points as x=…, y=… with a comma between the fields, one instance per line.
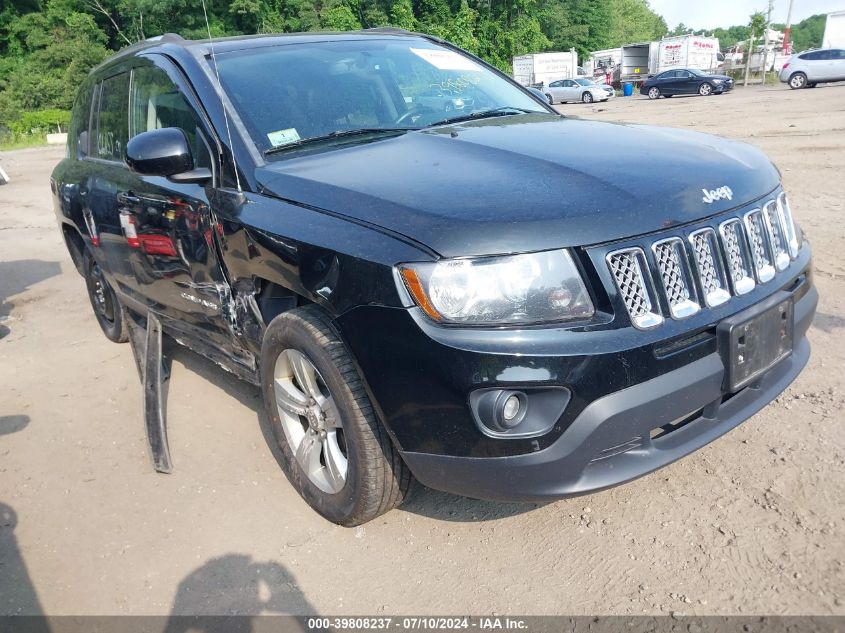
x=587, y=97
x=107, y=307
x=705, y=90
x=654, y=92
x=798, y=81
x=335, y=452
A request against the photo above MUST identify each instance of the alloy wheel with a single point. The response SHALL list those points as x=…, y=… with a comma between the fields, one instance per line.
x=310, y=420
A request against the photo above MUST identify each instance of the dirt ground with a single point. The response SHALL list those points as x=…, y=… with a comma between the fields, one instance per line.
x=752, y=524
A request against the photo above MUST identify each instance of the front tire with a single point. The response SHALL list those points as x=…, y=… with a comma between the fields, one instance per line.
x=798, y=81
x=654, y=92
x=107, y=307
x=335, y=452
x=705, y=90
x=587, y=97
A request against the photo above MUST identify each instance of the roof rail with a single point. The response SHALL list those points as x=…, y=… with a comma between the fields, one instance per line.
x=166, y=37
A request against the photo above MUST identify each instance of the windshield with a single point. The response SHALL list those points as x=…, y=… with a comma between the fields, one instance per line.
x=288, y=94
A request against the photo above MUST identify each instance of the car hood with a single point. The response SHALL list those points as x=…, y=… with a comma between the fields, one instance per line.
x=524, y=183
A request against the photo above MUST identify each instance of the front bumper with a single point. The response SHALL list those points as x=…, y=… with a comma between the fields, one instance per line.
x=610, y=442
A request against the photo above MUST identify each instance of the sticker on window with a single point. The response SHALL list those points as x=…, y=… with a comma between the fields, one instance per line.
x=446, y=60
x=283, y=137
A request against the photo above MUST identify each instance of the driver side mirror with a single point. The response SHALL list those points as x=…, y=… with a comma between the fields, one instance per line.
x=164, y=152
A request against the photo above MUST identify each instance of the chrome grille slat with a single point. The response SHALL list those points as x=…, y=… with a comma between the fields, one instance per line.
x=736, y=252
x=711, y=271
x=706, y=267
x=760, y=247
x=776, y=235
x=788, y=225
x=630, y=272
x=678, y=285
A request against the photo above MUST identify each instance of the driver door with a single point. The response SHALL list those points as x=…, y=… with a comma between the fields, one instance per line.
x=170, y=226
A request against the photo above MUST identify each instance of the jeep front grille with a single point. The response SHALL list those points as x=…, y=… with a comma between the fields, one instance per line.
x=708, y=268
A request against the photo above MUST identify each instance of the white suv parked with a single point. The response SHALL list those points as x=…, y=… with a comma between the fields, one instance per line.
x=806, y=69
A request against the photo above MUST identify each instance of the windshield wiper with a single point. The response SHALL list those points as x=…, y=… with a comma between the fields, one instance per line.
x=335, y=135
x=483, y=114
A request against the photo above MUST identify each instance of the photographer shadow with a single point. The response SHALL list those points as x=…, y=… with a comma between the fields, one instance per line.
x=234, y=593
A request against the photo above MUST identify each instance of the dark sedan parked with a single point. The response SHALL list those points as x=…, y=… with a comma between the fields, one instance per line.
x=685, y=81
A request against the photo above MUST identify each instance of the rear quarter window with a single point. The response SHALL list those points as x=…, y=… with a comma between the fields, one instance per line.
x=78, y=137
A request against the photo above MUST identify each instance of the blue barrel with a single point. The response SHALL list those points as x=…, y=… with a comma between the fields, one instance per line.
x=628, y=90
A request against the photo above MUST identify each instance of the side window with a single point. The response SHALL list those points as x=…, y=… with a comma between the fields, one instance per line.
x=838, y=54
x=158, y=103
x=824, y=55
x=112, y=122
x=78, y=136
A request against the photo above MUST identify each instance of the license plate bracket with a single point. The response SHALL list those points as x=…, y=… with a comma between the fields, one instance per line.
x=755, y=340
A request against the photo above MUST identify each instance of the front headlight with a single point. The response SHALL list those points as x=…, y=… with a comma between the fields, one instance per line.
x=718, y=81
x=512, y=289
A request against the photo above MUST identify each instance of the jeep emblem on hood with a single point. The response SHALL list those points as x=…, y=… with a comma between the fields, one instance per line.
x=717, y=194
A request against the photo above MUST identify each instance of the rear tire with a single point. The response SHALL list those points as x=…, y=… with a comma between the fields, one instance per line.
x=335, y=452
x=107, y=307
x=654, y=92
x=798, y=81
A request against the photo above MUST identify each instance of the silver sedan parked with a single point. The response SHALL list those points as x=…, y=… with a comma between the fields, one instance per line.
x=579, y=89
x=809, y=68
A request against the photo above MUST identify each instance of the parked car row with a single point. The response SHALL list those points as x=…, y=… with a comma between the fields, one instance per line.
x=803, y=70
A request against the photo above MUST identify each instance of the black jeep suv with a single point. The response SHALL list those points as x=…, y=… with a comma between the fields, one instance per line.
x=496, y=301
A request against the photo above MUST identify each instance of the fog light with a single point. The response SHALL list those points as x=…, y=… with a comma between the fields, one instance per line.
x=511, y=408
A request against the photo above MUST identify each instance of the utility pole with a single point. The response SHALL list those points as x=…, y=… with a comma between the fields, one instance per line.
x=766, y=39
x=787, y=45
x=748, y=57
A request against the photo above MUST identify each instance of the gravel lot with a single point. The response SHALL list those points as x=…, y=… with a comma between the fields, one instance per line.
x=751, y=524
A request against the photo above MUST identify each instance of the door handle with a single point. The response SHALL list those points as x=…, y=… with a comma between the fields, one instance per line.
x=128, y=199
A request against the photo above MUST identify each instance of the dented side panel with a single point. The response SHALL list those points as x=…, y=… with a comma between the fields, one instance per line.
x=315, y=255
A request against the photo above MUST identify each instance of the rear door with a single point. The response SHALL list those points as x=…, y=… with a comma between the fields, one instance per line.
x=107, y=175
x=570, y=90
x=555, y=88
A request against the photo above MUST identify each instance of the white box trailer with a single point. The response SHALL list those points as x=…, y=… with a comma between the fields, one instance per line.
x=834, y=30
x=601, y=62
x=689, y=51
x=639, y=61
x=537, y=68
